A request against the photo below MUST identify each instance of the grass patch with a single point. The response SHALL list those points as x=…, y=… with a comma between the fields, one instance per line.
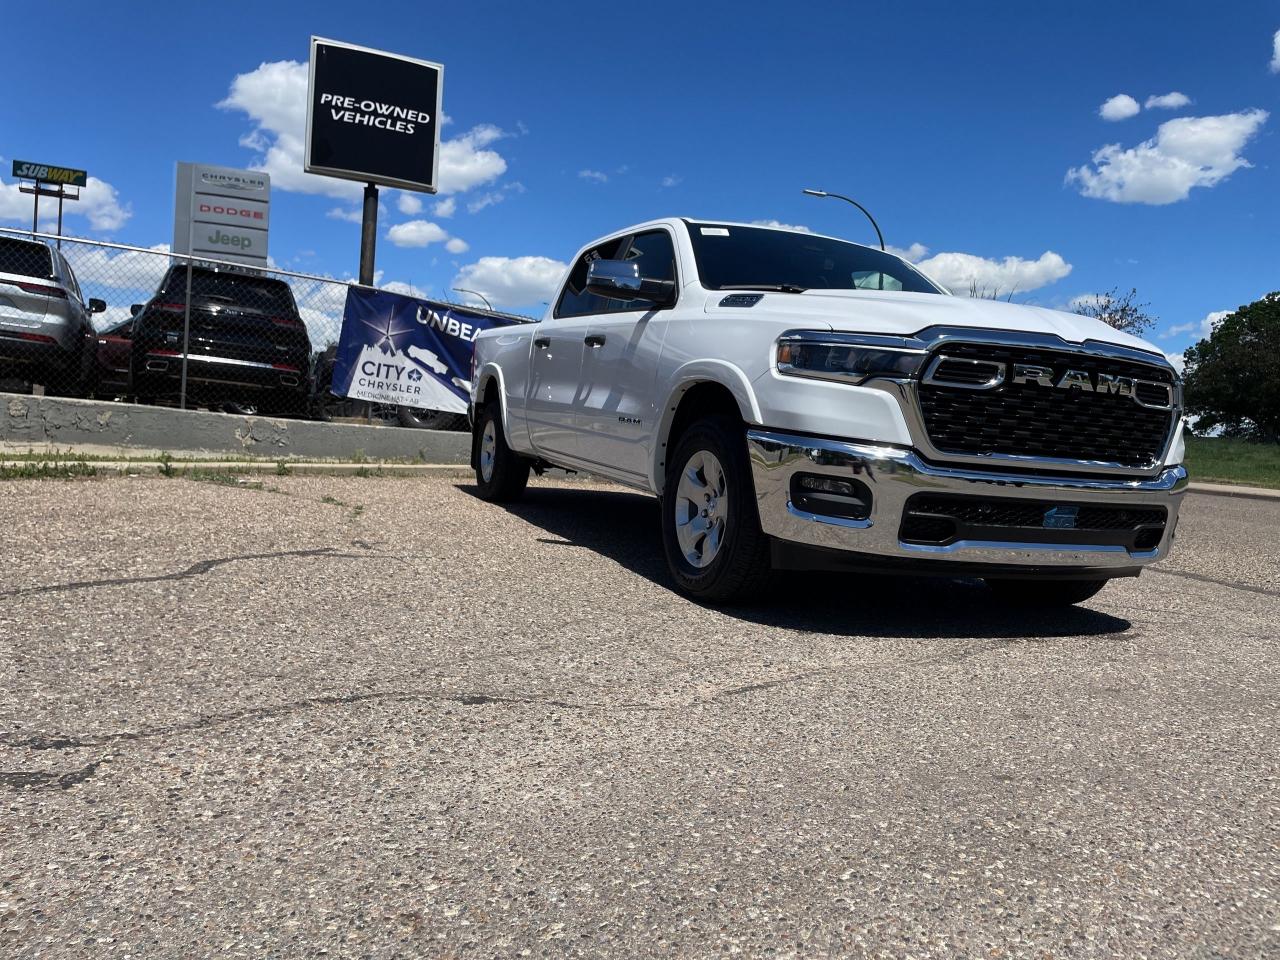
x=1217, y=460
x=47, y=471
x=224, y=478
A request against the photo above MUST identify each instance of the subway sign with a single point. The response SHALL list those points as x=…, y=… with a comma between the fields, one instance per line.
x=373, y=116
x=48, y=173
x=222, y=214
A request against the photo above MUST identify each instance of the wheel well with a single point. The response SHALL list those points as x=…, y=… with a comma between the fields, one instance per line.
x=697, y=400
x=490, y=394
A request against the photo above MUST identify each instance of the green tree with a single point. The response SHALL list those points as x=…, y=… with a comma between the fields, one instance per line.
x=1232, y=378
x=1119, y=310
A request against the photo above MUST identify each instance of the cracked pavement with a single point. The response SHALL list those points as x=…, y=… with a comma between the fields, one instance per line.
x=377, y=717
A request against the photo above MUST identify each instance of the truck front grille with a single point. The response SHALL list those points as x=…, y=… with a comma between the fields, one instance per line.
x=964, y=417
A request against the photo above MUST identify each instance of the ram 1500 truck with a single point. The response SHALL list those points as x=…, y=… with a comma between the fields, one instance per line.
x=801, y=402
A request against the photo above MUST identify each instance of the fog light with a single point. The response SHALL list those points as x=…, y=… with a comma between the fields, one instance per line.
x=831, y=496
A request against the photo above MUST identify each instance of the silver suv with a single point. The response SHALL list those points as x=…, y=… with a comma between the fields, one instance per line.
x=46, y=331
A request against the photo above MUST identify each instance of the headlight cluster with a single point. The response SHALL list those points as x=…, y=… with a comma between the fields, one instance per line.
x=848, y=358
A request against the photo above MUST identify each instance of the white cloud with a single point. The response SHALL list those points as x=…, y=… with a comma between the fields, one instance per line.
x=416, y=233
x=1168, y=101
x=1200, y=328
x=406, y=289
x=118, y=270
x=963, y=272
x=595, y=175
x=1275, y=53
x=1120, y=107
x=274, y=95
x=779, y=225
x=512, y=281
x=1185, y=153
x=912, y=254
x=1178, y=361
x=99, y=203
x=446, y=207
x=672, y=181
x=410, y=204
x=484, y=200
x=342, y=213
x=457, y=245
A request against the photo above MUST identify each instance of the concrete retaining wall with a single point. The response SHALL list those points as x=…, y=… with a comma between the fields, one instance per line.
x=40, y=422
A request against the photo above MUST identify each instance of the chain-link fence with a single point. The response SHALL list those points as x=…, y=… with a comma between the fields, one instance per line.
x=84, y=318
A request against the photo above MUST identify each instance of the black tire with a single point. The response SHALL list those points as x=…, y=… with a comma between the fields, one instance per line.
x=501, y=473
x=739, y=567
x=430, y=419
x=240, y=408
x=1044, y=593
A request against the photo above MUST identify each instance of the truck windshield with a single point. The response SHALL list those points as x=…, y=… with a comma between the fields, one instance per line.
x=758, y=258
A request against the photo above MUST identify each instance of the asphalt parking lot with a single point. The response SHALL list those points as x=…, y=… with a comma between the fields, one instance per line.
x=377, y=717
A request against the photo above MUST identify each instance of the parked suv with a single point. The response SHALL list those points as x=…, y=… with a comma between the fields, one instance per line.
x=247, y=343
x=46, y=334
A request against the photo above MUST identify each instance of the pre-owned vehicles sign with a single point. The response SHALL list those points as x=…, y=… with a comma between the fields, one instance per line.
x=373, y=116
x=222, y=213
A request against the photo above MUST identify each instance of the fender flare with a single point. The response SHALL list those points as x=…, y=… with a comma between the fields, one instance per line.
x=727, y=375
x=491, y=371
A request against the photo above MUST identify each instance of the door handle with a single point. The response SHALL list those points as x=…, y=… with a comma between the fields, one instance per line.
x=542, y=342
x=594, y=340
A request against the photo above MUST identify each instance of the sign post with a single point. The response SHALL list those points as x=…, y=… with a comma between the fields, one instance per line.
x=373, y=117
x=44, y=175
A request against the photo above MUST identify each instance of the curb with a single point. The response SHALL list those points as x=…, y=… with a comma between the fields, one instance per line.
x=181, y=468
x=1231, y=490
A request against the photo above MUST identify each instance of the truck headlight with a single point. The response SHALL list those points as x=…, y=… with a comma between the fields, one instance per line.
x=848, y=358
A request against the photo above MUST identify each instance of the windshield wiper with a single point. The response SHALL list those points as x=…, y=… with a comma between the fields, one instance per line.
x=776, y=287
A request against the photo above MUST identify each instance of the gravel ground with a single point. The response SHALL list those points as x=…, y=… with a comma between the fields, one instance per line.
x=372, y=717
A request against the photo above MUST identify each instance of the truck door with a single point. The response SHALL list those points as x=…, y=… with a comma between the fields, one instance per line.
x=620, y=366
x=555, y=363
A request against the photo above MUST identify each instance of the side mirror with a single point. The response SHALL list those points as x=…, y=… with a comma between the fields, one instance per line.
x=96, y=305
x=621, y=280
x=135, y=309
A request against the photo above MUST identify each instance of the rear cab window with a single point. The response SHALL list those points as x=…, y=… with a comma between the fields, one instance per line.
x=25, y=259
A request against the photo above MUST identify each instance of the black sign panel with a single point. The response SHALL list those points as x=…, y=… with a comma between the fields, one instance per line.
x=373, y=116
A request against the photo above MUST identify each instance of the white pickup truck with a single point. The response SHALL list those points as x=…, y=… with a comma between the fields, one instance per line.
x=801, y=402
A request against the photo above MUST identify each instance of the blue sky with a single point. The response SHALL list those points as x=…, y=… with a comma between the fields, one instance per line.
x=957, y=124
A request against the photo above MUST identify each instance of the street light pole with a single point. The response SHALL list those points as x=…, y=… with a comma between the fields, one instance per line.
x=824, y=193
x=475, y=294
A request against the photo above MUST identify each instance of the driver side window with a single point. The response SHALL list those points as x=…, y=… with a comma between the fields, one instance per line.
x=574, y=300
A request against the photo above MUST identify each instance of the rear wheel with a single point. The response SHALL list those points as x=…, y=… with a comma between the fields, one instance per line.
x=1044, y=593
x=711, y=532
x=501, y=473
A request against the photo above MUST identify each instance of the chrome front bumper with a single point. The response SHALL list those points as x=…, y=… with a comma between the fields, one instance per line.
x=894, y=474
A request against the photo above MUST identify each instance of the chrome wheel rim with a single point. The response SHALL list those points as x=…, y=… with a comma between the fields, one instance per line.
x=488, y=451
x=702, y=509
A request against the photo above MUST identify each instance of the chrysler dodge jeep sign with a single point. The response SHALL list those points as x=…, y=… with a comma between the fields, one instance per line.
x=373, y=116
x=222, y=213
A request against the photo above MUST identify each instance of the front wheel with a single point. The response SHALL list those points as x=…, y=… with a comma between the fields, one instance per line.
x=501, y=473
x=1044, y=593
x=711, y=533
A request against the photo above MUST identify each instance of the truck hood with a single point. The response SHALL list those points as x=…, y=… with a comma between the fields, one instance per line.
x=904, y=314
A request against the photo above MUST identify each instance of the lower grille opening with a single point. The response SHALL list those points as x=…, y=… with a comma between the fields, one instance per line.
x=827, y=496
x=939, y=520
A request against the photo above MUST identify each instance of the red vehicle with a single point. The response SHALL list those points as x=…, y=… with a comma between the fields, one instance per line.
x=111, y=371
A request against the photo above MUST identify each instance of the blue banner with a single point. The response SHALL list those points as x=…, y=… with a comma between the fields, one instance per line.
x=405, y=351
